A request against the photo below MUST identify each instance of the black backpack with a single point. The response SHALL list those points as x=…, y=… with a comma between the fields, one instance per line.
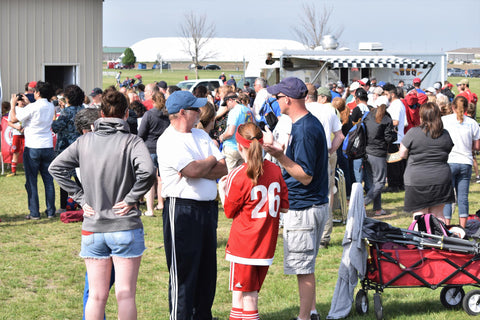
x=355, y=143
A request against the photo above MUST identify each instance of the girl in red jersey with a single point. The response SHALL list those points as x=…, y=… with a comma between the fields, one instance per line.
x=253, y=194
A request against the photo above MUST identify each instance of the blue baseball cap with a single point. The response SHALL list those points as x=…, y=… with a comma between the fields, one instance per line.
x=183, y=99
x=292, y=87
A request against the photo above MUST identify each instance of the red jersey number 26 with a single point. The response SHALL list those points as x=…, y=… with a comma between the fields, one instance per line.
x=272, y=195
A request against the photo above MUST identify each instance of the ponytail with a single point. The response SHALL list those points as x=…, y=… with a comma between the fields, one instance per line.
x=459, y=105
x=255, y=161
x=380, y=113
x=250, y=137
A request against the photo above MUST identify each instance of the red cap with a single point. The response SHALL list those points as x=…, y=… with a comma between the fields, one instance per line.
x=450, y=85
x=32, y=84
x=417, y=80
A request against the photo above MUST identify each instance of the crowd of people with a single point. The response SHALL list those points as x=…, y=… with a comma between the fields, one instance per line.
x=273, y=150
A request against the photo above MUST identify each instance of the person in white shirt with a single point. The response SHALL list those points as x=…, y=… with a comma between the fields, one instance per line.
x=37, y=120
x=397, y=112
x=465, y=134
x=326, y=114
x=189, y=164
x=262, y=95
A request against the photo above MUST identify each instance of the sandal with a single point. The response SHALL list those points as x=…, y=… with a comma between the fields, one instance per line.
x=381, y=213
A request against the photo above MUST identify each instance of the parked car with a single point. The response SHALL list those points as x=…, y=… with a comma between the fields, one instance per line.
x=165, y=66
x=190, y=85
x=192, y=66
x=455, y=72
x=475, y=73
x=212, y=67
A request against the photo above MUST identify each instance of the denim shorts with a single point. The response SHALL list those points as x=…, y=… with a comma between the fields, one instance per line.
x=123, y=244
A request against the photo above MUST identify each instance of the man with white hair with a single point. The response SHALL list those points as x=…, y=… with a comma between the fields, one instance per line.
x=262, y=95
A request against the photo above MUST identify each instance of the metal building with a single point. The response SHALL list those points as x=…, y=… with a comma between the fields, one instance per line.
x=58, y=41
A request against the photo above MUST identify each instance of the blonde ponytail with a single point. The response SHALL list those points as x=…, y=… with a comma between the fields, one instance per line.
x=459, y=105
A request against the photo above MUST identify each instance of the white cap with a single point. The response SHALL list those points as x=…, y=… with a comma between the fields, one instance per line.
x=364, y=80
x=437, y=85
x=354, y=86
x=431, y=89
x=381, y=100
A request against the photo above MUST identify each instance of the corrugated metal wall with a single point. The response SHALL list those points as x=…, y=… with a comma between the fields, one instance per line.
x=35, y=33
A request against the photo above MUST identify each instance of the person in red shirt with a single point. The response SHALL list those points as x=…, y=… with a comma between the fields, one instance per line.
x=253, y=195
x=465, y=92
x=150, y=90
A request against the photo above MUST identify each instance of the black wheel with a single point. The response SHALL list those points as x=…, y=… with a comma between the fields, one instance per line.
x=471, y=303
x=361, y=302
x=452, y=296
x=377, y=304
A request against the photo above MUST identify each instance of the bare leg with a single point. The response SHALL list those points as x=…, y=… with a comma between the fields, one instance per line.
x=159, y=193
x=126, y=274
x=306, y=290
x=237, y=299
x=437, y=211
x=463, y=222
x=149, y=198
x=250, y=301
x=99, y=271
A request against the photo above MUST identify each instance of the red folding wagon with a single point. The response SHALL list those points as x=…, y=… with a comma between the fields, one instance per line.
x=414, y=259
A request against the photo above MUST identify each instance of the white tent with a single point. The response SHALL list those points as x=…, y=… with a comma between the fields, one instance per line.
x=221, y=49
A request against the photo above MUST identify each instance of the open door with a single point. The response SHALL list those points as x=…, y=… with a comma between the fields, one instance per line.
x=61, y=76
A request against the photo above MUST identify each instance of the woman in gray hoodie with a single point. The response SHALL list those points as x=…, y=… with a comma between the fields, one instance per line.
x=115, y=172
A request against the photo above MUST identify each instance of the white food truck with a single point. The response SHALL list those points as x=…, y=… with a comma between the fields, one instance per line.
x=324, y=66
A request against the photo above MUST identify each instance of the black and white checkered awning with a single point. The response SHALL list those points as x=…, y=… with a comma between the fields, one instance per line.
x=379, y=62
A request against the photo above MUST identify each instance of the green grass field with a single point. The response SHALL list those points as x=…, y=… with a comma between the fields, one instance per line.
x=42, y=277
x=171, y=77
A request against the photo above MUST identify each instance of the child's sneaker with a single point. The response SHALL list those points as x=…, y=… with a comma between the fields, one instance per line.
x=12, y=174
x=477, y=180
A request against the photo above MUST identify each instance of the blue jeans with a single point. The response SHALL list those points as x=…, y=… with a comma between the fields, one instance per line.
x=344, y=164
x=359, y=172
x=35, y=160
x=461, y=174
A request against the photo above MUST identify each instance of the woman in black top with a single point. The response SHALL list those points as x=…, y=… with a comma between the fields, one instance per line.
x=428, y=179
x=380, y=132
x=154, y=122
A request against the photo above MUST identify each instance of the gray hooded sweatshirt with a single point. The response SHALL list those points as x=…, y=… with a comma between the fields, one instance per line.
x=114, y=166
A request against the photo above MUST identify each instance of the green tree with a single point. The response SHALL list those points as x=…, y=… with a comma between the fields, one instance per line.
x=129, y=57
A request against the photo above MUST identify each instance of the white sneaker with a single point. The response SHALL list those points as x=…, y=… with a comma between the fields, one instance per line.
x=148, y=214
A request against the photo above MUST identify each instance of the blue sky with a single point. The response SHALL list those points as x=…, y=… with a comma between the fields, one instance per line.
x=406, y=25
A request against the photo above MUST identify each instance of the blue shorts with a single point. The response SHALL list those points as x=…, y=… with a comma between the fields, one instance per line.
x=123, y=244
